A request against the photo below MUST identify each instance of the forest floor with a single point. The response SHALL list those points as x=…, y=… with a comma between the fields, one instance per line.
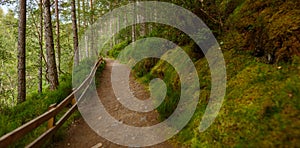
x=80, y=134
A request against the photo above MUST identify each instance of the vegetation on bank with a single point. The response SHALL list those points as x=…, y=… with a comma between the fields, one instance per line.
x=261, y=106
x=261, y=50
x=36, y=104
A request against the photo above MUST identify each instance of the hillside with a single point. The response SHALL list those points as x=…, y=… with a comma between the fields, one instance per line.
x=260, y=43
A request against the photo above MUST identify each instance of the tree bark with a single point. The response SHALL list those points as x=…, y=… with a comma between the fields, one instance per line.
x=133, y=30
x=111, y=23
x=78, y=15
x=84, y=15
x=92, y=11
x=57, y=37
x=22, y=53
x=51, y=62
x=40, y=89
x=75, y=33
x=92, y=20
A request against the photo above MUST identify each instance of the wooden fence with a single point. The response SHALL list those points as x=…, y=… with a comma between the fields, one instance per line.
x=49, y=117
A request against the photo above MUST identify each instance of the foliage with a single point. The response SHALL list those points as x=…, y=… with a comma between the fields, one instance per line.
x=8, y=52
x=82, y=71
x=36, y=104
x=114, y=52
x=13, y=117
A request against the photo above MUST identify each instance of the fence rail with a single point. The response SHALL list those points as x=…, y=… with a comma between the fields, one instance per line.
x=49, y=117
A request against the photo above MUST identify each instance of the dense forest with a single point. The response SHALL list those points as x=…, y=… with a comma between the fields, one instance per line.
x=260, y=41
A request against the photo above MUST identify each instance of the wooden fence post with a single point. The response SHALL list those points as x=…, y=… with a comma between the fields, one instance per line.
x=51, y=121
x=73, y=101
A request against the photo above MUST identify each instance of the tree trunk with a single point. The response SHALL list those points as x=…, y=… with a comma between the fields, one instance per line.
x=57, y=37
x=40, y=89
x=92, y=11
x=92, y=20
x=75, y=33
x=84, y=15
x=140, y=18
x=78, y=15
x=127, y=36
x=111, y=23
x=22, y=53
x=133, y=31
x=85, y=26
x=52, y=69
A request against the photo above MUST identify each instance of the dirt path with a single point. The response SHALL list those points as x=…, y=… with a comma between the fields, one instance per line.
x=81, y=135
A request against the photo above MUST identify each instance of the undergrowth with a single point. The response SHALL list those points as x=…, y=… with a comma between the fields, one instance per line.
x=35, y=105
x=60, y=135
x=261, y=106
x=260, y=44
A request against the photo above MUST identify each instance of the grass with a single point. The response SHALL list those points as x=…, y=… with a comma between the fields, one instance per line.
x=35, y=105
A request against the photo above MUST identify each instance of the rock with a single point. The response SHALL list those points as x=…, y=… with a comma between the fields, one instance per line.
x=97, y=145
x=143, y=119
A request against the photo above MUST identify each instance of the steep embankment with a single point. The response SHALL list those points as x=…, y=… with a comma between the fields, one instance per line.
x=262, y=104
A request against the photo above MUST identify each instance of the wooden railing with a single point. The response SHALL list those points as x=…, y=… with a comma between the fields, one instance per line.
x=49, y=116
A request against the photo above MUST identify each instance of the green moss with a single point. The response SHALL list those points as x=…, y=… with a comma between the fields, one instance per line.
x=268, y=28
x=262, y=101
